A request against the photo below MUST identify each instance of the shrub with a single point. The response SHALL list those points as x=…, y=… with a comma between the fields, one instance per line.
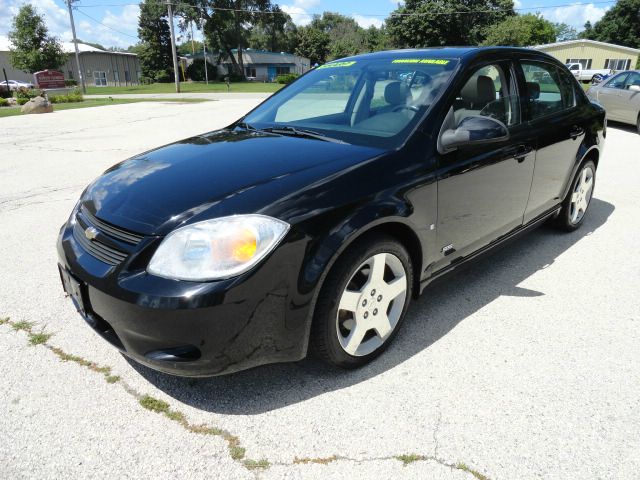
x=164, y=76
x=195, y=71
x=286, y=78
x=72, y=97
x=70, y=83
x=4, y=102
x=27, y=93
x=146, y=80
x=5, y=93
x=22, y=100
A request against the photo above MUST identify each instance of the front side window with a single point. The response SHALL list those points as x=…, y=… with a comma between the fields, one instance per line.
x=369, y=102
x=548, y=89
x=489, y=92
x=633, y=80
x=618, y=81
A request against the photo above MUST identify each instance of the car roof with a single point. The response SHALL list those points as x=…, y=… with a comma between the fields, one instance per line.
x=445, y=52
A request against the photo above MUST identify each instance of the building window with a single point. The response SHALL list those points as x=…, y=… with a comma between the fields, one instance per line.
x=585, y=62
x=100, y=79
x=282, y=70
x=127, y=77
x=617, y=64
x=251, y=72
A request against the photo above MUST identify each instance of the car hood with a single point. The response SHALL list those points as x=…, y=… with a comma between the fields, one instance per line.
x=221, y=173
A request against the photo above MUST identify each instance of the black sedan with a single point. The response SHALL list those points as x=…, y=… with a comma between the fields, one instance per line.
x=313, y=221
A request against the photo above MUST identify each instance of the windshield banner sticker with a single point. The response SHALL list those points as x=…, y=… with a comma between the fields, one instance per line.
x=429, y=61
x=336, y=65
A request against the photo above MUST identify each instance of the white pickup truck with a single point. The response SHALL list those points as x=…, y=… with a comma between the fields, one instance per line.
x=584, y=75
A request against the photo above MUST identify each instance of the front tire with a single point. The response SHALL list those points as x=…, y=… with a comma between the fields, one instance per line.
x=577, y=201
x=363, y=302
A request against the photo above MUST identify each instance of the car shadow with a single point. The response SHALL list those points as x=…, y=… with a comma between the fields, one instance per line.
x=625, y=127
x=440, y=308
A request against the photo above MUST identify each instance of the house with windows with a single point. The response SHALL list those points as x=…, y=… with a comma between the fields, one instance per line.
x=264, y=66
x=99, y=67
x=593, y=55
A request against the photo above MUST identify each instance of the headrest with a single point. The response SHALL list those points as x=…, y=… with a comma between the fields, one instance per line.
x=480, y=92
x=396, y=93
x=533, y=89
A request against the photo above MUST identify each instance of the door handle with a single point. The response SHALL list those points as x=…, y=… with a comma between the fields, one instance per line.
x=520, y=152
x=575, y=132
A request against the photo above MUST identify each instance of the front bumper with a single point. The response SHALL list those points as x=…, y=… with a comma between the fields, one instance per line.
x=189, y=328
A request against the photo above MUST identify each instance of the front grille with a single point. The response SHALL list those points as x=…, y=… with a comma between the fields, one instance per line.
x=112, y=245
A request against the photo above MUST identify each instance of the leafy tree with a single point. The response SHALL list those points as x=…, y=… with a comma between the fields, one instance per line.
x=565, y=32
x=620, y=25
x=154, y=50
x=185, y=48
x=313, y=44
x=195, y=71
x=587, y=32
x=227, y=24
x=521, y=31
x=430, y=23
x=32, y=48
x=275, y=31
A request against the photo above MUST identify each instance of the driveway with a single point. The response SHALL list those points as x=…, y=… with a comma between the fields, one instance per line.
x=523, y=367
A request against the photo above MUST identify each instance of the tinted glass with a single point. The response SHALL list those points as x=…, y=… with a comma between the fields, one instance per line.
x=369, y=102
x=488, y=93
x=548, y=89
x=618, y=81
x=633, y=79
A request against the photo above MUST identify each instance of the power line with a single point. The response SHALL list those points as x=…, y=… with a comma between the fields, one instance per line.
x=104, y=25
x=392, y=14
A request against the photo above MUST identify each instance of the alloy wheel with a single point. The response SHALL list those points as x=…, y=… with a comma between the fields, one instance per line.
x=371, y=304
x=581, y=195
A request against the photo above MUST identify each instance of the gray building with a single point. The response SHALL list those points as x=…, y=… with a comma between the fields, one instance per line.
x=259, y=65
x=99, y=67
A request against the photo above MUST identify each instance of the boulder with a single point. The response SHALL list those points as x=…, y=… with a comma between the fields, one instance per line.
x=37, y=105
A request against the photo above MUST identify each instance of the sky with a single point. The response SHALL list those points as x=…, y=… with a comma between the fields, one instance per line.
x=114, y=22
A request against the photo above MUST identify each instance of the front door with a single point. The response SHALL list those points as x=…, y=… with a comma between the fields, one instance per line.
x=483, y=190
x=629, y=99
x=609, y=96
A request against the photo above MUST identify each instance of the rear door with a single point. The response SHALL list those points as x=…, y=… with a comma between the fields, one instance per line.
x=483, y=189
x=553, y=117
x=609, y=96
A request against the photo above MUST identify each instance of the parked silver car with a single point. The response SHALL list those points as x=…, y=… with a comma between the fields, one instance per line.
x=15, y=84
x=620, y=96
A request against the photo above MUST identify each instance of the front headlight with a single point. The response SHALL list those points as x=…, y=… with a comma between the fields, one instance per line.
x=217, y=249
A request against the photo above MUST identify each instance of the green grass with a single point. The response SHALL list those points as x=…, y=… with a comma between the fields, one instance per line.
x=410, y=458
x=188, y=87
x=39, y=338
x=100, y=102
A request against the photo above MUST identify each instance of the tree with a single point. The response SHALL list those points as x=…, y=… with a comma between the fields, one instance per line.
x=587, y=32
x=274, y=31
x=620, y=25
x=227, y=24
x=154, y=51
x=313, y=44
x=32, y=48
x=185, y=48
x=521, y=31
x=431, y=23
x=565, y=32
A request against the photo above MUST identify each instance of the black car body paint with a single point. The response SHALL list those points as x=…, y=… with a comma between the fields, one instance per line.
x=330, y=194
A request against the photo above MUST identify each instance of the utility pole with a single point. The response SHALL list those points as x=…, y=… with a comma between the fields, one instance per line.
x=204, y=50
x=176, y=73
x=75, y=44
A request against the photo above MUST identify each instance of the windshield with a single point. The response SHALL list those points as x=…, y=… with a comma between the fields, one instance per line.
x=366, y=102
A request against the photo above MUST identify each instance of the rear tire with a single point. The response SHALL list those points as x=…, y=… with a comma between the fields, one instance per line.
x=577, y=201
x=363, y=302
x=638, y=123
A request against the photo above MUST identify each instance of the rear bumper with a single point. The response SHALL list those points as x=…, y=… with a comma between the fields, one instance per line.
x=188, y=328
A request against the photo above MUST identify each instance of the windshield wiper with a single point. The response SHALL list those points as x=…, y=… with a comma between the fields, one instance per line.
x=300, y=132
x=246, y=126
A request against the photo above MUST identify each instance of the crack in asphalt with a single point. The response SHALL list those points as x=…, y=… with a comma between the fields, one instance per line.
x=257, y=467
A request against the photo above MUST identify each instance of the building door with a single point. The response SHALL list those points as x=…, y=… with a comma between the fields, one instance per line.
x=100, y=78
x=271, y=73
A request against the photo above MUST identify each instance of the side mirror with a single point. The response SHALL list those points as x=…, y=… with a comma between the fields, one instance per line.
x=474, y=130
x=634, y=88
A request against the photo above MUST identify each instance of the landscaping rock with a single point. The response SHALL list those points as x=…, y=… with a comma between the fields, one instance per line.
x=37, y=105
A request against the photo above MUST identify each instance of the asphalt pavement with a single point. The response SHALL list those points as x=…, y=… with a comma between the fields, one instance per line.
x=523, y=367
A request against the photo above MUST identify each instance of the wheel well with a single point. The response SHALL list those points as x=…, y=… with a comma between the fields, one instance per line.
x=593, y=155
x=409, y=240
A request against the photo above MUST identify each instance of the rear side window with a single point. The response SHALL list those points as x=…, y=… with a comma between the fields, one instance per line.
x=618, y=81
x=548, y=90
